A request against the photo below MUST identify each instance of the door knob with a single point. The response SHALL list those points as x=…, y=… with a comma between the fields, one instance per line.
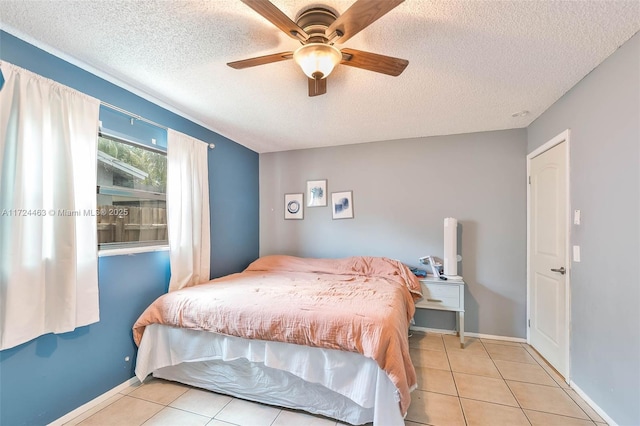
x=561, y=270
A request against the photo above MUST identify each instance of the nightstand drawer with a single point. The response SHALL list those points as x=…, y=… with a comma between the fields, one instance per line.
x=442, y=296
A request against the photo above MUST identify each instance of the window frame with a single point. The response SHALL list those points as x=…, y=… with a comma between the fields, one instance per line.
x=124, y=247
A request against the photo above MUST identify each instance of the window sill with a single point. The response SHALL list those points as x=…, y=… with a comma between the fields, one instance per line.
x=131, y=250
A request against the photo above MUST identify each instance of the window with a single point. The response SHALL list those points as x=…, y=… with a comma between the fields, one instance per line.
x=132, y=182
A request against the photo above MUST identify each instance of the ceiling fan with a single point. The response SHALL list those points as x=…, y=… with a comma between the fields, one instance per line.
x=318, y=28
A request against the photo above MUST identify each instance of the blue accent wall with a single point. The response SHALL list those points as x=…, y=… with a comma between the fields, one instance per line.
x=52, y=375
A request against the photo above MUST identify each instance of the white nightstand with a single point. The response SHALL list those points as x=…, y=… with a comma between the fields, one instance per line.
x=444, y=296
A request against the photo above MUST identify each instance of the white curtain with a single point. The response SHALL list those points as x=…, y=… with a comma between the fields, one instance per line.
x=187, y=210
x=48, y=237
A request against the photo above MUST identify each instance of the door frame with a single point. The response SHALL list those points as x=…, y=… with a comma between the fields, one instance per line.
x=562, y=137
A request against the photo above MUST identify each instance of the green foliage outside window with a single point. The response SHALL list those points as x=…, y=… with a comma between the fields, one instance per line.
x=150, y=162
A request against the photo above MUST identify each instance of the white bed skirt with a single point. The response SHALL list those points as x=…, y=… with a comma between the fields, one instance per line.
x=343, y=385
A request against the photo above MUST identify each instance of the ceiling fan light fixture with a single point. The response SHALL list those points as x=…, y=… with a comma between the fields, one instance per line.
x=317, y=60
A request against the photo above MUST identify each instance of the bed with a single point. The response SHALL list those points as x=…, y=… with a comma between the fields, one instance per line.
x=327, y=336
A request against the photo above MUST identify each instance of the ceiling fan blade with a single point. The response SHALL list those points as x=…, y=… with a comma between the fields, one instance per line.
x=373, y=62
x=261, y=60
x=317, y=86
x=274, y=15
x=360, y=15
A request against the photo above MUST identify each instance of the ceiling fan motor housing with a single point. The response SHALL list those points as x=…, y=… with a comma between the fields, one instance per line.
x=315, y=21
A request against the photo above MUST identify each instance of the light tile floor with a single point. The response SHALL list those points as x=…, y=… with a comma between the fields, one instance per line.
x=489, y=382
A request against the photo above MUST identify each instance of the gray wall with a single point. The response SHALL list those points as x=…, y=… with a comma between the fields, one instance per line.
x=603, y=113
x=402, y=191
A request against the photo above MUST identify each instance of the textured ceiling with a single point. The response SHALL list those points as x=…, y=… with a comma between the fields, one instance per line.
x=472, y=64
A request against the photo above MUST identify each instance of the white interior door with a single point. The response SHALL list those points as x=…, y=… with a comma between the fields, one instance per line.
x=548, y=263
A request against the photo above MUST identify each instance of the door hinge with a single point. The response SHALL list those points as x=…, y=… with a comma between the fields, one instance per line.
x=529, y=180
x=529, y=323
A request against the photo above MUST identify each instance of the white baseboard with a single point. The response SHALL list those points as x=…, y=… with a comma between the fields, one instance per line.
x=494, y=337
x=466, y=333
x=592, y=404
x=94, y=402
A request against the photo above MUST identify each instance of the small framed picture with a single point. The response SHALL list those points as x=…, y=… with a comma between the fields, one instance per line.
x=342, y=205
x=316, y=193
x=293, y=206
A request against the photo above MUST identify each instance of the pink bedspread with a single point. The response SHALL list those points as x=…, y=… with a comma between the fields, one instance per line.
x=357, y=304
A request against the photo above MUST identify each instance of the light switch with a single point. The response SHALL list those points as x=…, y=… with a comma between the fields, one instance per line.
x=576, y=253
x=576, y=217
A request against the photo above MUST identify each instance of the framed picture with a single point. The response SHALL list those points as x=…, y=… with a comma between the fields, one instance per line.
x=316, y=193
x=293, y=207
x=342, y=205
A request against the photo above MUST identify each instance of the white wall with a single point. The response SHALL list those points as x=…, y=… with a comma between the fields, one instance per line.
x=402, y=191
x=603, y=113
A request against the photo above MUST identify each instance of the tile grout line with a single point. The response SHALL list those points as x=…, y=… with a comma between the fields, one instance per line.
x=224, y=406
x=276, y=418
x=537, y=363
x=579, y=406
x=544, y=366
x=494, y=403
x=184, y=411
x=560, y=415
x=178, y=397
x=79, y=415
x=554, y=379
x=444, y=349
x=505, y=382
x=221, y=409
x=446, y=354
x=513, y=380
x=123, y=396
x=145, y=400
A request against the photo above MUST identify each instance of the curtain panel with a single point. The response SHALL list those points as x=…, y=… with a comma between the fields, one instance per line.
x=48, y=236
x=187, y=210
